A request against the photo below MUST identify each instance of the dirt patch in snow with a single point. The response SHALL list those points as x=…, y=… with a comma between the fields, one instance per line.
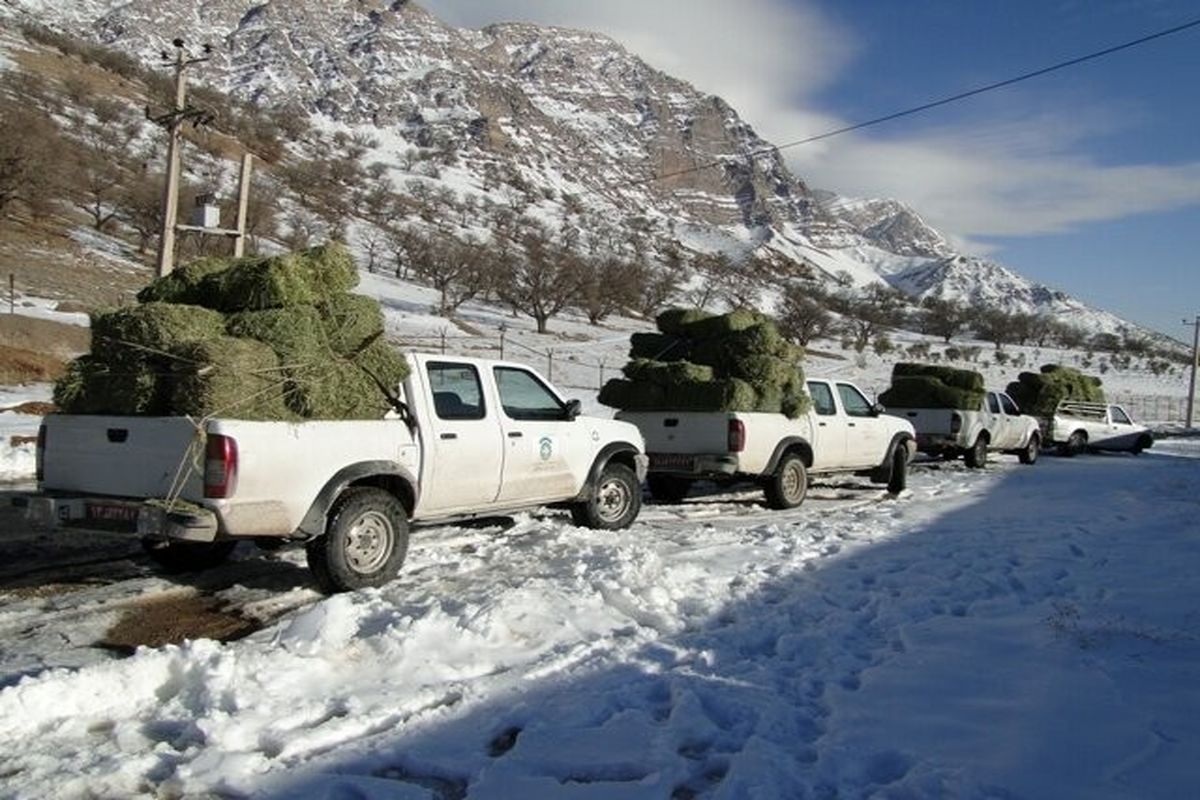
x=172, y=618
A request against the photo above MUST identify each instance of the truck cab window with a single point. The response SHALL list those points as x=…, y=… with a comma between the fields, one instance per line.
x=1010, y=407
x=822, y=399
x=457, y=392
x=1119, y=416
x=524, y=397
x=993, y=403
x=853, y=401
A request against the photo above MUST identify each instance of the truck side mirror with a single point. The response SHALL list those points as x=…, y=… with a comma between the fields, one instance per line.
x=574, y=409
x=877, y=409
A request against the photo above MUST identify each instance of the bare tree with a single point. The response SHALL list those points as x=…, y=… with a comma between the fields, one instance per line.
x=456, y=269
x=803, y=318
x=605, y=286
x=543, y=282
x=105, y=133
x=31, y=151
x=942, y=318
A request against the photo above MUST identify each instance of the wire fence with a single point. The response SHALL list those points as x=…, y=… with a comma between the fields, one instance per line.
x=1153, y=409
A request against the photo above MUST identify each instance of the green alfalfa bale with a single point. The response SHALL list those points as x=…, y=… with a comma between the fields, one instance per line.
x=154, y=328
x=258, y=284
x=629, y=396
x=356, y=386
x=929, y=392
x=725, y=353
x=763, y=371
x=719, y=326
x=182, y=285
x=719, y=395
x=966, y=379
x=229, y=377
x=796, y=399
x=125, y=386
x=659, y=347
x=332, y=267
x=665, y=373
x=297, y=336
x=675, y=321
x=1040, y=394
x=350, y=321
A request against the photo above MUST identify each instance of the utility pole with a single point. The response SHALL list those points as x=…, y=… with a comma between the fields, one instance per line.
x=1195, y=324
x=173, y=121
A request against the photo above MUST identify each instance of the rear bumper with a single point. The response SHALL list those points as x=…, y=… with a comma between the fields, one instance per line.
x=121, y=516
x=695, y=465
x=937, y=443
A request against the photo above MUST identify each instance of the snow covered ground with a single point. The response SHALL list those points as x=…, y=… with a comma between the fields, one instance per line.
x=1015, y=632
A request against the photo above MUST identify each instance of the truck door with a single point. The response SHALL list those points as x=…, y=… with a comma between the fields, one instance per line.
x=829, y=432
x=993, y=420
x=1121, y=431
x=865, y=438
x=465, y=443
x=1014, y=426
x=541, y=442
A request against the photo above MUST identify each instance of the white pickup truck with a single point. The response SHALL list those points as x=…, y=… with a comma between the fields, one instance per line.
x=998, y=425
x=470, y=437
x=1077, y=426
x=844, y=432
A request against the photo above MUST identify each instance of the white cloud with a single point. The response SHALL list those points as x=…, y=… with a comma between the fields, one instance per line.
x=1026, y=176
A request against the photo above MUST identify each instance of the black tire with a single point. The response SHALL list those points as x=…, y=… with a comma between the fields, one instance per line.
x=364, y=544
x=976, y=457
x=898, y=480
x=788, y=487
x=175, y=557
x=614, y=501
x=1030, y=454
x=1075, y=444
x=668, y=489
x=1143, y=443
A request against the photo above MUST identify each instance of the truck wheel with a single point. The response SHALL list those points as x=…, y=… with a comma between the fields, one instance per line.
x=898, y=480
x=668, y=489
x=176, y=556
x=1074, y=445
x=1142, y=444
x=615, y=500
x=1030, y=454
x=364, y=544
x=976, y=457
x=788, y=487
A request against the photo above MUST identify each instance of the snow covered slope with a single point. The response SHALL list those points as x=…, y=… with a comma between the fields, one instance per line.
x=555, y=113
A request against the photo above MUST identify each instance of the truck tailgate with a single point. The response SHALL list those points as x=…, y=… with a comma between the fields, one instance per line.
x=926, y=421
x=122, y=456
x=683, y=432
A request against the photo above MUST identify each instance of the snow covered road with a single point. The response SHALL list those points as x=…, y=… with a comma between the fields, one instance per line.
x=1018, y=632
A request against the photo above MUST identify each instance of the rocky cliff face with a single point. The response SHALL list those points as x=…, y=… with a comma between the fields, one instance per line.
x=571, y=113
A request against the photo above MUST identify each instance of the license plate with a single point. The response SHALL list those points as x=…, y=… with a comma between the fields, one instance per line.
x=112, y=512
x=672, y=461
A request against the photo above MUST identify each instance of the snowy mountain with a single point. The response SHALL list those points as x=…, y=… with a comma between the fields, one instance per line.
x=577, y=124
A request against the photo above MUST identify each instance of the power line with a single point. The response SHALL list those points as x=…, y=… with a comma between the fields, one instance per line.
x=924, y=106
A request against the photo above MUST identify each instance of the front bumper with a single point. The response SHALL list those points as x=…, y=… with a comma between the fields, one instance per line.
x=143, y=518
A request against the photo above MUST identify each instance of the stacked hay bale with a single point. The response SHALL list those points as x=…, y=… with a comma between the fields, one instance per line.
x=278, y=338
x=1040, y=393
x=933, y=386
x=701, y=362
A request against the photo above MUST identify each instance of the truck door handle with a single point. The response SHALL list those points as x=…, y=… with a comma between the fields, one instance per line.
x=515, y=434
x=449, y=435
x=850, y=424
x=820, y=424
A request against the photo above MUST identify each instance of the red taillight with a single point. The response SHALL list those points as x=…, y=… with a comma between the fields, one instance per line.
x=737, y=436
x=955, y=423
x=41, y=453
x=220, y=466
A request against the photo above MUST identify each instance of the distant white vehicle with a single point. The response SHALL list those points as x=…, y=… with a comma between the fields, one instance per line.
x=996, y=426
x=843, y=433
x=1077, y=426
x=476, y=437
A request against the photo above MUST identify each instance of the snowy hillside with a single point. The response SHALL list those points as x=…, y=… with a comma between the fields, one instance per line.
x=562, y=125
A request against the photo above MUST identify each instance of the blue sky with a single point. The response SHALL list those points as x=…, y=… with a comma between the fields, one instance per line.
x=1087, y=179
